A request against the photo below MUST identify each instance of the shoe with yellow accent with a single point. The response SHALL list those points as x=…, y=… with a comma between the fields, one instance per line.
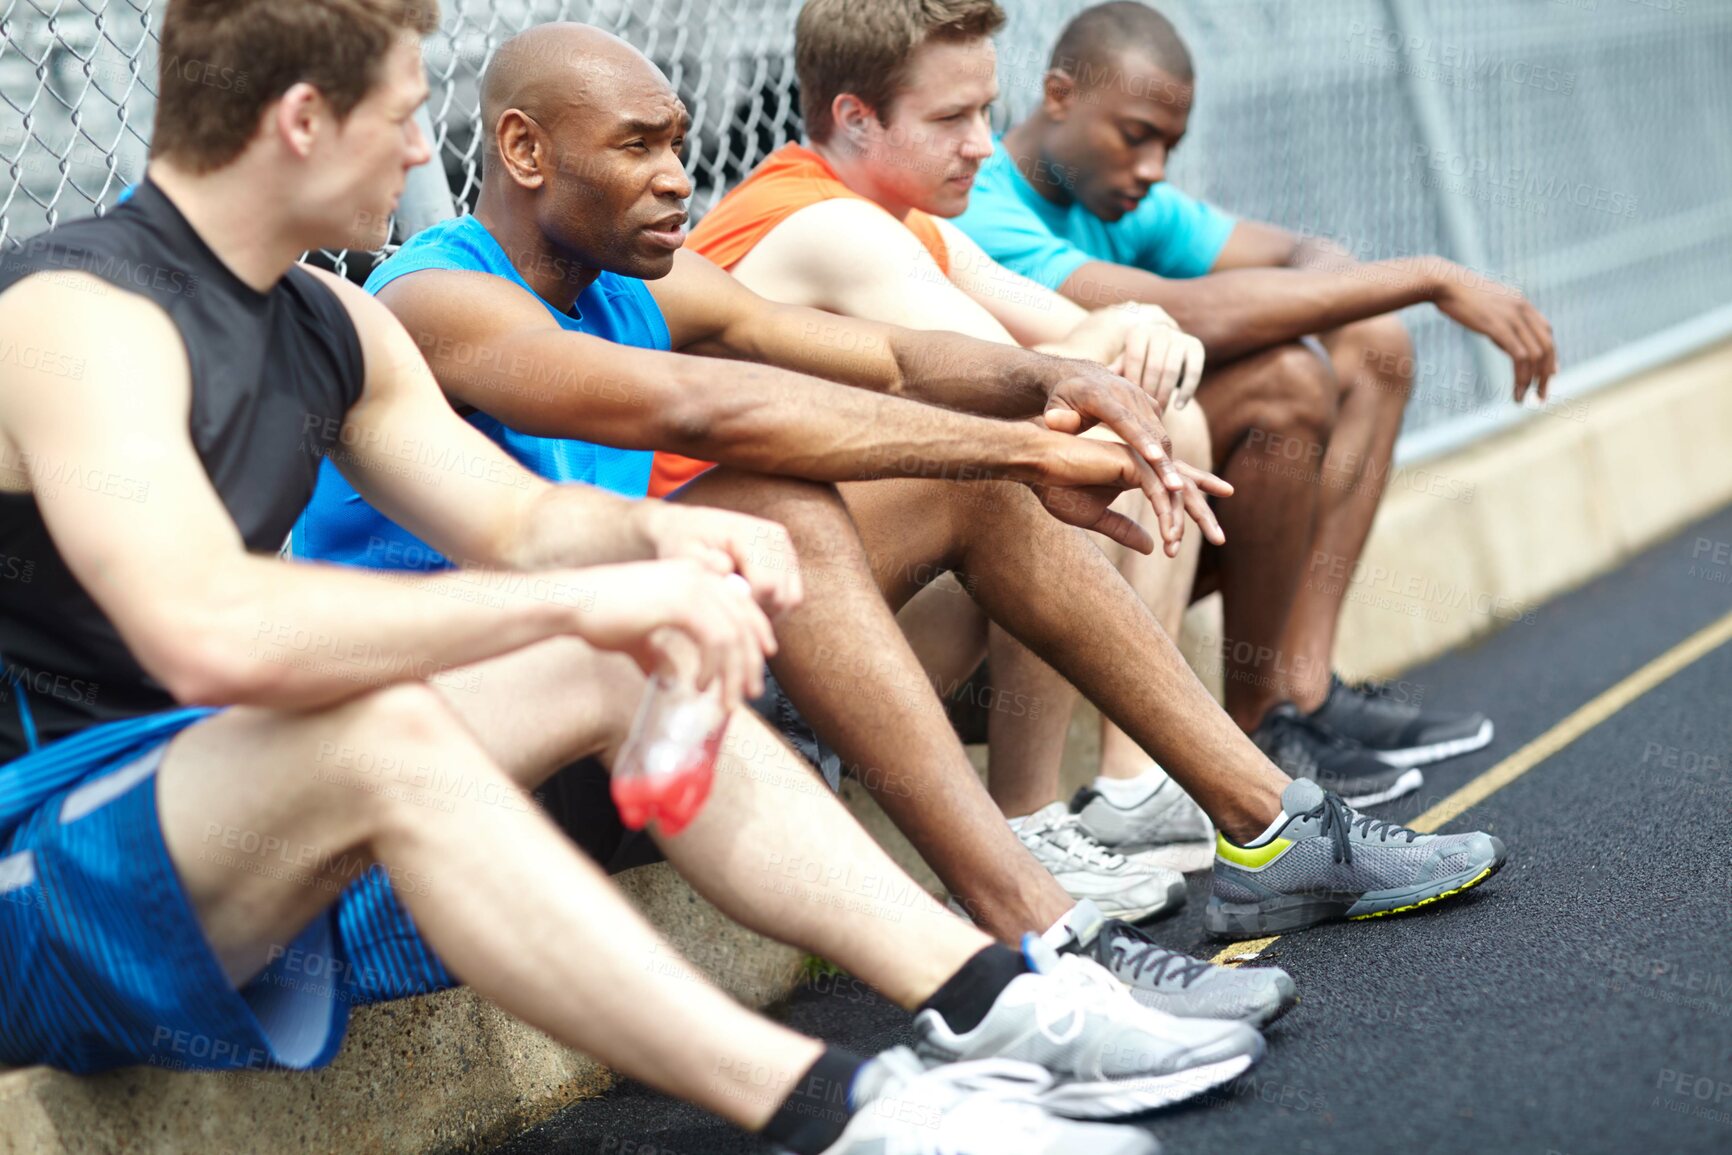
x=1325, y=860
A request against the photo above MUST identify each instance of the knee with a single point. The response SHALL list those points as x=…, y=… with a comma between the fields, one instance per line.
x=391, y=745
x=1380, y=352
x=1302, y=395
x=1189, y=430
x=408, y=714
x=803, y=520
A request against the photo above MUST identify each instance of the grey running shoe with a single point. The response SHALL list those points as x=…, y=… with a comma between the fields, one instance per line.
x=985, y=1108
x=1393, y=728
x=1121, y=887
x=1191, y=988
x=1110, y=1055
x=1327, y=861
x=1165, y=829
x=1304, y=748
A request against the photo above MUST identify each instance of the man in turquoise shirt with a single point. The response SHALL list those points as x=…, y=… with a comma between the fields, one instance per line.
x=1309, y=372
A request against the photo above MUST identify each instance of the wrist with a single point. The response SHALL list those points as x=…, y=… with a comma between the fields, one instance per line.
x=1022, y=451
x=1431, y=285
x=645, y=524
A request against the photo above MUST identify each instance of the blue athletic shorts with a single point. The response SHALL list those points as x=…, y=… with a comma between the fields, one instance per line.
x=102, y=961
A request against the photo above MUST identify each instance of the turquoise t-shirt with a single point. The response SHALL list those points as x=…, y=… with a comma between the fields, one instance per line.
x=1169, y=233
x=339, y=526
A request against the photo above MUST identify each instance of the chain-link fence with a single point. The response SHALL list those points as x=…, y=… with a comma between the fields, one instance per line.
x=1576, y=148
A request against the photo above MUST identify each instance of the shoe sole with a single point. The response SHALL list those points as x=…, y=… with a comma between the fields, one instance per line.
x=1184, y=857
x=1254, y=1014
x=1437, y=751
x=1177, y=895
x=1118, y=1098
x=1406, y=784
x=1253, y=920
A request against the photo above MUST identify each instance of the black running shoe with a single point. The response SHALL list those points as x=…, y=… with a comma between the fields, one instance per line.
x=1305, y=749
x=1381, y=718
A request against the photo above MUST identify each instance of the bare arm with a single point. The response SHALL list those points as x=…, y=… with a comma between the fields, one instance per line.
x=495, y=347
x=212, y=622
x=1032, y=314
x=1000, y=378
x=1269, y=286
x=851, y=258
x=1244, y=310
x=714, y=314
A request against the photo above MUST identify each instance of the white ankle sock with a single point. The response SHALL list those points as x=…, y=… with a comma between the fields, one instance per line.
x=1128, y=792
x=1016, y=823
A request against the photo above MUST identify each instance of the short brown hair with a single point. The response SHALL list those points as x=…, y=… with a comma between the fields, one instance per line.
x=863, y=46
x=224, y=61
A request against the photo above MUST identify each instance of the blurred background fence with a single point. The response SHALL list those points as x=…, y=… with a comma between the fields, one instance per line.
x=1578, y=149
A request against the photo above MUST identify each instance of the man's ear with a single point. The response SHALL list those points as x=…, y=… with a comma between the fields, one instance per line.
x=522, y=148
x=1058, y=93
x=297, y=116
x=853, y=118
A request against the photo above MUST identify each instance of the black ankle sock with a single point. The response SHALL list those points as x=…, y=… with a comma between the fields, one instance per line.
x=813, y=1115
x=969, y=993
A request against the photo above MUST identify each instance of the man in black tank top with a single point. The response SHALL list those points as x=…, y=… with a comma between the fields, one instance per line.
x=228, y=778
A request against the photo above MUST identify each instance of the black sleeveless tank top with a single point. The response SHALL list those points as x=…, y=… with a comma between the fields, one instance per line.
x=272, y=375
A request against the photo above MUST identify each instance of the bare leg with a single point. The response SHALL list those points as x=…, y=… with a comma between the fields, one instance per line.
x=1374, y=363
x=1027, y=727
x=1033, y=704
x=1163, y=584
x=946, y=631
x=848, y=668
x=1098, y=634
x=1269, y=416
x=772, y=848
x=500, y=893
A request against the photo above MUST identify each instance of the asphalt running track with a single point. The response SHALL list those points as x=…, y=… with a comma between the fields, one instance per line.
x=1579, y=1002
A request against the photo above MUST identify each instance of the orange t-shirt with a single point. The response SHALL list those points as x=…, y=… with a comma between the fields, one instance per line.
x=787, y=181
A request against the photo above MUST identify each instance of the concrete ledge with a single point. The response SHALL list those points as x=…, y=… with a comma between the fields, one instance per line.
x=1537, y=511
x=444, y=1073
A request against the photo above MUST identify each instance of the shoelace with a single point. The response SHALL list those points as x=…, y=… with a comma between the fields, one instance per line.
x=1069, y=836
x=1143, y=955
x=1379, y=697
x=1080, y=986
x=1338, y=819
x=1292, y=749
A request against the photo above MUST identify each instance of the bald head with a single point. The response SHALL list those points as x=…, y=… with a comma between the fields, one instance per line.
x=584, y=162
x=554, y=71
x=1094, y=44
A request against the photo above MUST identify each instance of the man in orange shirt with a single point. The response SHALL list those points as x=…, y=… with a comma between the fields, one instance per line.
x=855, y=224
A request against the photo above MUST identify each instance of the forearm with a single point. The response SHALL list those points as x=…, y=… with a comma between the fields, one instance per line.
x=1241, y=311
x=976, y=376
x=937, y=366
x=300, y=636
x=772, y=421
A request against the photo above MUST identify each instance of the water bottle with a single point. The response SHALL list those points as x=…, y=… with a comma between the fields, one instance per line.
x=668, y=762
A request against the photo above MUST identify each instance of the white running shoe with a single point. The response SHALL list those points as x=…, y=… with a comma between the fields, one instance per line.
x=1110, y=1056
x=1165, y=829
x=980, y=1108
x=1121, y=887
